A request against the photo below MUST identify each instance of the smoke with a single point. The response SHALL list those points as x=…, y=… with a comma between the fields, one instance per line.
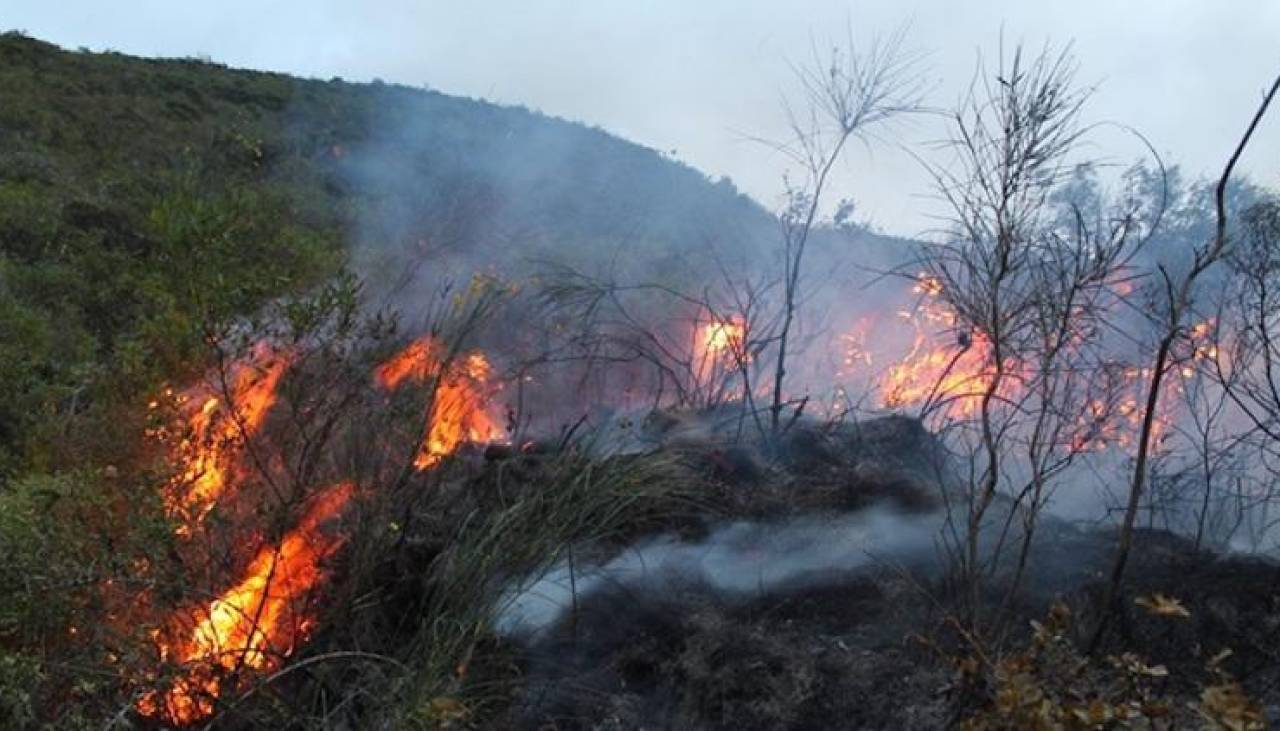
x=452, y=186
x=738, y=561
x=449, y=187
x=445, y=188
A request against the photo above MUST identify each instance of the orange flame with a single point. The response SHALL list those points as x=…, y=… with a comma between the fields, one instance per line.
x=723, y=338
x=957, y=374
x=1123, y=424
x=415, y=362
x=459, y=411
x=719, y=343
x=255, y=623
x=216, y=433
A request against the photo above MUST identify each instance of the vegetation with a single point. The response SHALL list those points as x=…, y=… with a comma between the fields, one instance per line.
x=242, y=485
x=158, y=215
x=143, y=202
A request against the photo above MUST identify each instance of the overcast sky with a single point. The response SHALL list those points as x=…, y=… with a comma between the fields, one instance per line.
x=702, y=77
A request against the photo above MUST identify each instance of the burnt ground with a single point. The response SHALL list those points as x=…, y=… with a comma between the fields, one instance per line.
x=867, y=648
x=691, y=660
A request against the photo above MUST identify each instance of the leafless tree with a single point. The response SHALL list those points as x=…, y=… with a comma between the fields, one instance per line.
x=1247, y=353
x=847, y=95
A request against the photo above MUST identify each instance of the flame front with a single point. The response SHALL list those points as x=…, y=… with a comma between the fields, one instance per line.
x=216, y=432
x=459, y=409
x=956, y=374
x=257, y=622
x=722, y=337
x=959, y=375
x=417, y=362
x=260, y=619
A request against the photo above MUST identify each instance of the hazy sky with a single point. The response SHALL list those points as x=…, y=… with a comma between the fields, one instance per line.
x=701, y=77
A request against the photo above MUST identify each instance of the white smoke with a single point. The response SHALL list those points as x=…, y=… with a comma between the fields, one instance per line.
x=741, y=560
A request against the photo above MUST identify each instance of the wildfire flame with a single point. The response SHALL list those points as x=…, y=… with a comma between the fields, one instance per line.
x=958, y=374
x=459, y=409
x=216, y=431
x=262, y=616
x=719, y=343
x=257, y=622
x=955, y=373
x=260, y=620
x=722, y=338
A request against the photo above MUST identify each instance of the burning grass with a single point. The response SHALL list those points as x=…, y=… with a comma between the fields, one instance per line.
x=221, y=418
x=463, y=524
x=255, y=624
x=430, y=588
x=423, y=561
x=460, y=404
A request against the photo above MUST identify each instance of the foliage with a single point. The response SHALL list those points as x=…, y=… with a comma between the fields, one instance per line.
x=138, y=208
x=65, y=539
x=1050, y=685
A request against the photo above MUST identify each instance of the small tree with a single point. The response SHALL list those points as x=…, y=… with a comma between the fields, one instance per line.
x=1027, y=287
x=847, y=96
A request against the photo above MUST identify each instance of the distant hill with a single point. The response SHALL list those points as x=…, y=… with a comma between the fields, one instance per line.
x=141, y=197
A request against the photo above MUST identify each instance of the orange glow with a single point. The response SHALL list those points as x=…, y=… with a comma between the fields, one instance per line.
x=955, y=374
x=458, y=414
x=719, y=343
x=459, y=411
x=1120, y=425
x=855, y=352
x=722, y=338
x=931, y=370
x=216, y=434
x=1202, y=336
x=927, y=285
x=257, y=622
x=416, y=361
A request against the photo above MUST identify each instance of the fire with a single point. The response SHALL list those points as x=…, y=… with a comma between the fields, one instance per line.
x=459, y=410
x=931, y=371
x=1121, y=426
x=1202, y=337
x=719, y=344
x=958, y=374
x=258, y=621
x=856, y=353
x=927, y=284
x=722, y=337
x=263, y=616
x=415, y=361
x=216, y=431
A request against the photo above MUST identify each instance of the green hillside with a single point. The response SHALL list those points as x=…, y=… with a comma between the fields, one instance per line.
x=342, y=406
x=142, y=200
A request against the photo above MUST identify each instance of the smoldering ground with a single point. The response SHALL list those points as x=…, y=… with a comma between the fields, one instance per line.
x=738, y=562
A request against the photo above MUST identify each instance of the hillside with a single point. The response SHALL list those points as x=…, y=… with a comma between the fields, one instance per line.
x=334, y=406
x=140, y=199
x=151, y=213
